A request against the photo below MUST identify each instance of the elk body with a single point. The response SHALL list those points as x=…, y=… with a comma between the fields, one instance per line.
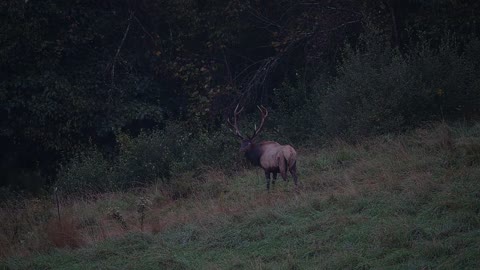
x=271, y=156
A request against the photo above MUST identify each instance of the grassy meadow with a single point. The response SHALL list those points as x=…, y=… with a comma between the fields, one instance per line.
x=408, y=201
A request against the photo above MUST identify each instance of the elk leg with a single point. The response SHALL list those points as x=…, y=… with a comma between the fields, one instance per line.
x=267, y=178
x=293, y=171
x=274, y=179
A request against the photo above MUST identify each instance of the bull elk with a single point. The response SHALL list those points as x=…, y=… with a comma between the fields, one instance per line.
x=271, y=156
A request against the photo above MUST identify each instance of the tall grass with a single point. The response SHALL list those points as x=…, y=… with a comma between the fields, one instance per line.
x=407, y=201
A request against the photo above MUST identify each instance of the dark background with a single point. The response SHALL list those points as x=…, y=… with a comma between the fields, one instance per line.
x=87, y=87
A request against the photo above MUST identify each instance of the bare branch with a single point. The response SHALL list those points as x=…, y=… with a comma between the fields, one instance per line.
x=144, y=29
x=119, y=48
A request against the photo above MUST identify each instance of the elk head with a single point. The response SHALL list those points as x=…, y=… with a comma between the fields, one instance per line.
x=247, y=142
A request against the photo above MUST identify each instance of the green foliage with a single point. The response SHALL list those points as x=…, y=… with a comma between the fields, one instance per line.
x=147, y=158
x=370, y=94
x=158, y=157
x=86, y=172
x=73, y=75
x=298, y=117
x=380, y=90
x=58, y=93
x=449, y=75
x=218, y=149
x=61, y=89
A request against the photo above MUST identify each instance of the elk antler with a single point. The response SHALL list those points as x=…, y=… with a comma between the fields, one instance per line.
x=263, y=116
x=234, y=125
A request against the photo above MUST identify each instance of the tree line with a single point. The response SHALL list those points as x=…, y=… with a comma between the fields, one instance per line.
x=79, y=75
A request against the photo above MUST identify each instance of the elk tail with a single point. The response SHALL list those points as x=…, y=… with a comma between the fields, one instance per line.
x=283, y=167
x=291, y=159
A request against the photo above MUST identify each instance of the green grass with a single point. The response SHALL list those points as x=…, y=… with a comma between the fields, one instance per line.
x=405, y=202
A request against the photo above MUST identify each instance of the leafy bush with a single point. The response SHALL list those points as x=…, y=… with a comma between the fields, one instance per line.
x=161, y=156
x=371, y=94
x=144, y=159
x=216, y=149
x=298, y=116
x=449, y=75
x=380, y=90
x=85, y=172
x=147, y=158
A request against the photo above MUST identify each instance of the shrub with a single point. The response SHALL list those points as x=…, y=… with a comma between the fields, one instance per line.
x=160, y=156
x=449, y=75
x=146, y=158
x=298, y=117
x=87, y=171
x=216, y=149
x=379, y=90
x=371, y=95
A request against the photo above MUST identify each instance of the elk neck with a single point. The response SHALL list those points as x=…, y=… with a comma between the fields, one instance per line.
x=254, y=153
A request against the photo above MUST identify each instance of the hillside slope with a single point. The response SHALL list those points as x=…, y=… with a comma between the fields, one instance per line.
x=396, y=202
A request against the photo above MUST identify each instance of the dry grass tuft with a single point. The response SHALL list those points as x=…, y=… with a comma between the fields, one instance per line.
x=22, y=226
x=469, y=149
x=439, y=137
x=63, y=233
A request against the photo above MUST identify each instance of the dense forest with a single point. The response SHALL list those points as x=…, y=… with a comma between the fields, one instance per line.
x=104, y=93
